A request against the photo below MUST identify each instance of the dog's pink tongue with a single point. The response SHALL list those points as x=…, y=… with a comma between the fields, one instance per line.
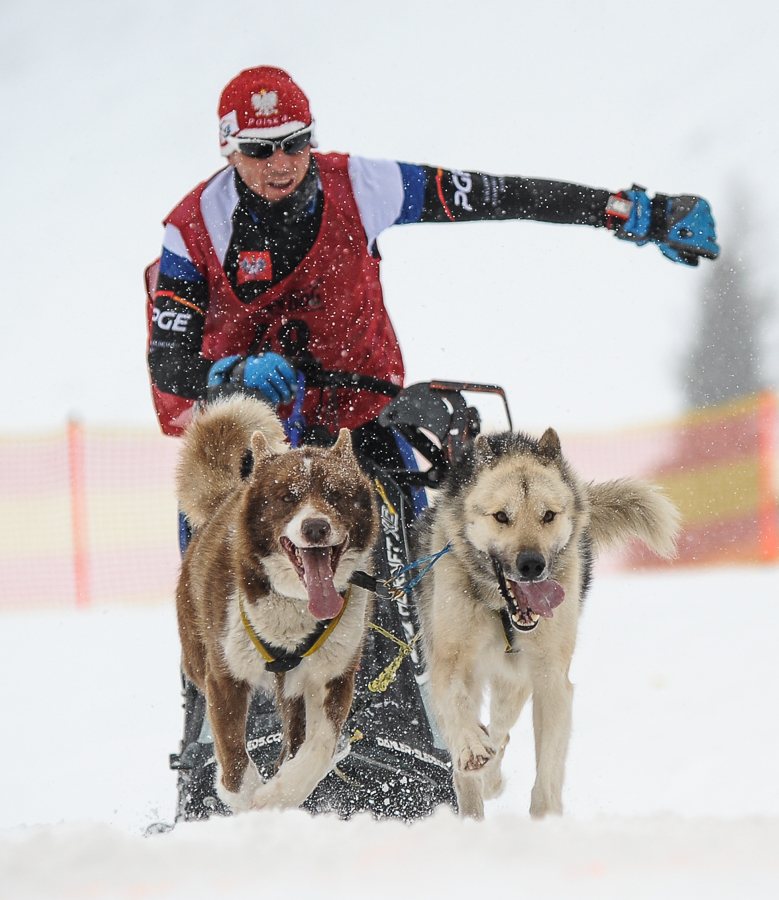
x=324, y=601
x=541, y=596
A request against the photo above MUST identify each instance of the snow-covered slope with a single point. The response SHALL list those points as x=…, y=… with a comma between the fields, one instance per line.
x=664, y=856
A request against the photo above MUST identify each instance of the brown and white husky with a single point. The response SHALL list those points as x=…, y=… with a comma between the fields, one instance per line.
x=263, y=600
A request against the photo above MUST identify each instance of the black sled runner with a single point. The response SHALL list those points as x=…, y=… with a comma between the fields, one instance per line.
x=390, y=760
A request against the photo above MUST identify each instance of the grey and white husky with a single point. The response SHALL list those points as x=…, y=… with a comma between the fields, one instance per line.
x=500, y=611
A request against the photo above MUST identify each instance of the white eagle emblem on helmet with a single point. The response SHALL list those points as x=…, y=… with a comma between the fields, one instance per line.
x=265, y=103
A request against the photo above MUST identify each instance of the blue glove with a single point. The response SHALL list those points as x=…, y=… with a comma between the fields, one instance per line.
x=682, y=226
x=220, y=372
x=272, y=375
x=268, y=373
x=690, y=230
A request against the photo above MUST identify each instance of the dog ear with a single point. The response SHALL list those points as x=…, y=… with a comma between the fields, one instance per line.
x=549, y=445
x=343, y=446
x=484, y=454
x=261, y=449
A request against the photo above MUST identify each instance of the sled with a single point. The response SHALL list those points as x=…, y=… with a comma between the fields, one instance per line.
x=391, y=761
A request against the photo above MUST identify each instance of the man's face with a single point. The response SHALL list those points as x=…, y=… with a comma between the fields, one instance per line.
x=275, y=178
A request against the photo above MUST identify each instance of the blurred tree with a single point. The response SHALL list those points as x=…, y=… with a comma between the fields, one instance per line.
x=726, y=358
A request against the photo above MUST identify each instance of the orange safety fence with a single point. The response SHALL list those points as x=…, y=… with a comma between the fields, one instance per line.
x=718, y=465
x=88, y=515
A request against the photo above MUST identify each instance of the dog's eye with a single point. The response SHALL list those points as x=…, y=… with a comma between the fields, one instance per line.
x=501, y=517
x=289, y=498
x=549, y=516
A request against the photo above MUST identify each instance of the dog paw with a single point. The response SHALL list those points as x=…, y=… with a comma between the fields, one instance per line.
x=242, y=800
x=545, y=801
x=272, y=795
x=493, y=783
x=262, y=799
x=475, y=757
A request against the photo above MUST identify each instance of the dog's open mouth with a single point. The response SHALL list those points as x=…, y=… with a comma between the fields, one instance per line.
x=316, y=567
x=522, y=617
x=532, y=600
x=529, y=601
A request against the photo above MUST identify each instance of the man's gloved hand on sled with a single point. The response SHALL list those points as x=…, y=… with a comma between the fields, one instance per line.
x=268, y=373
x=682, y=226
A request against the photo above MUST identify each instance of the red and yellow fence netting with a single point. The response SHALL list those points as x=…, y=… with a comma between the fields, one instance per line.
x=718, y=465
x=88, y=516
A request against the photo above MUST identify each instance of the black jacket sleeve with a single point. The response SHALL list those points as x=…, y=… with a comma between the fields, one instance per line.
x=474, y=196
x=178, y=319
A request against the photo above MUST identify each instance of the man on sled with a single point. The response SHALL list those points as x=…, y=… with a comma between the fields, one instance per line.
x=268, y=284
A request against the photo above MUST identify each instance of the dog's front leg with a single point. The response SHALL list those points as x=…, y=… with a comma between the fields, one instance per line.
x=456, y=681
x=237, y=778
x=326, y=708
x=508, y=694
x=457, y=698
x=552, y=701
x=293, y=722
x=456, y=694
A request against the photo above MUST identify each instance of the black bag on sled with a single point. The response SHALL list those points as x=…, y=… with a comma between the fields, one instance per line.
x=390, y=760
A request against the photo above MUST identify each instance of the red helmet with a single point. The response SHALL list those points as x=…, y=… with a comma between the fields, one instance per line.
x=263, y=102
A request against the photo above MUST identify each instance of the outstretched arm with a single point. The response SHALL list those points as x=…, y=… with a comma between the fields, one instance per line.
x=390, y=193
x=474, y=196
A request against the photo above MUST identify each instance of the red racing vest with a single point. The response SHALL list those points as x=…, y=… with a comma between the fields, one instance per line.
x=335, y=291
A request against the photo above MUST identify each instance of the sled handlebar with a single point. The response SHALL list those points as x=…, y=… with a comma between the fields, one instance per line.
x=418, y=411
x=318, y=377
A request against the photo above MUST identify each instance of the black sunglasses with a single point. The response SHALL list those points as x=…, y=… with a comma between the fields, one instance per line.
x=264, y=149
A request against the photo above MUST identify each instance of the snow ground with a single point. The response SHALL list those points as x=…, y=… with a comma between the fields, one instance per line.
x=672, y=785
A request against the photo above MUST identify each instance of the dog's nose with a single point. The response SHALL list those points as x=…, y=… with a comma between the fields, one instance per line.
x=316, y=531
x=530, y=565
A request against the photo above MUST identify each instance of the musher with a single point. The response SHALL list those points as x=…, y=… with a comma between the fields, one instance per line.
x=275, y=258
x=278, y=250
